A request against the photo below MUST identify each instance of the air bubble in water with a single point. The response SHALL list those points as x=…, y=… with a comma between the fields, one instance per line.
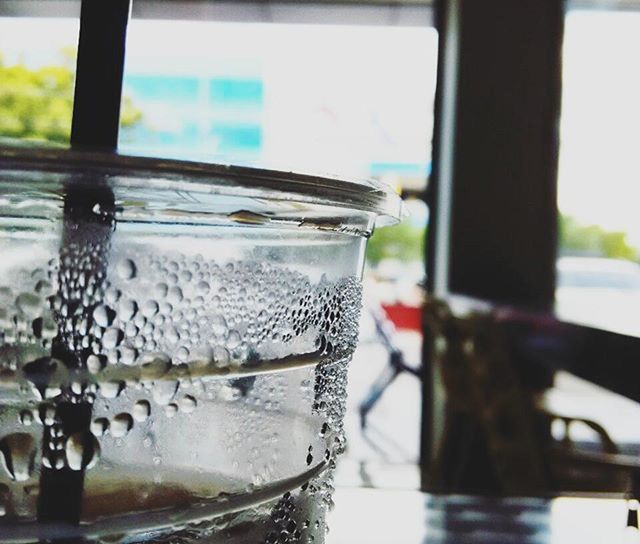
x=126, y=269
x=121, y=425
x=82, y=451
x=18, y=455
x=141, y=410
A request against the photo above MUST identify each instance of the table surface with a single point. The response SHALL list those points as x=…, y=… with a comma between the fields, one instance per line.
x=371, y=516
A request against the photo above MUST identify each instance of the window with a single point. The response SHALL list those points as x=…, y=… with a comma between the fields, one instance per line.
x=322, y=98
x=599, y=170
x=37, y=71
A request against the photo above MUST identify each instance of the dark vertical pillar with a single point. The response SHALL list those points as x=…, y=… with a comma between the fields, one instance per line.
x=100, y=67
x=503, y=210
x=492, y=195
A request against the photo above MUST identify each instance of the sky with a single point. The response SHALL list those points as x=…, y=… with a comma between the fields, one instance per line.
x=337, y=96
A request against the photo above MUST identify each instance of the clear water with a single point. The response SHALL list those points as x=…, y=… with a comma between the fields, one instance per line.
x=190, y=398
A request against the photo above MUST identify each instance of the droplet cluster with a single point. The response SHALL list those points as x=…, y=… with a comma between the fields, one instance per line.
x=153, y=341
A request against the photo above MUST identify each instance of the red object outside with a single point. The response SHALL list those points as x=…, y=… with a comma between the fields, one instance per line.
x=404, y=317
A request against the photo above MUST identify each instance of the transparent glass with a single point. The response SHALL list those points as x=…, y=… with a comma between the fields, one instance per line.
x=173, y=362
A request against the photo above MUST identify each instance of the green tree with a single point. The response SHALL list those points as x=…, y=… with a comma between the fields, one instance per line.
x=576, y=238
x=404, y=242
x=37, y=104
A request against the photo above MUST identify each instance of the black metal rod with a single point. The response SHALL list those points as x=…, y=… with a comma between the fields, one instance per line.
x=96, y=119
x=99, y=73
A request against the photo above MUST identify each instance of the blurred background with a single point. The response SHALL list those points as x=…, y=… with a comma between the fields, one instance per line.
x=348, y=88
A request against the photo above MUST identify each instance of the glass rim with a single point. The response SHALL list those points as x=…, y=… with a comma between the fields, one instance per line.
x=364, y=195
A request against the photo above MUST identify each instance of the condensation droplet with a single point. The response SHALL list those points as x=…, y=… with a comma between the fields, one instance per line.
x=141, y=410
x=112, y=338
x=182, y=354
x=103, y=315
x=126, y=269
x=127, y=310
x=99, y=426
x=26, y=417
x=233, y=339
x=171, y=410
x=220, y=356
x=188, y=404
x=82, y=451
x=121, y=425
x=164, y=390
x=128, y=356
x=160, y=290
x=18, y=455
x=175, y=296
x=94, y=364
x=203, y=288
x=111, y=389
x=150, y=308
x=219, y=325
